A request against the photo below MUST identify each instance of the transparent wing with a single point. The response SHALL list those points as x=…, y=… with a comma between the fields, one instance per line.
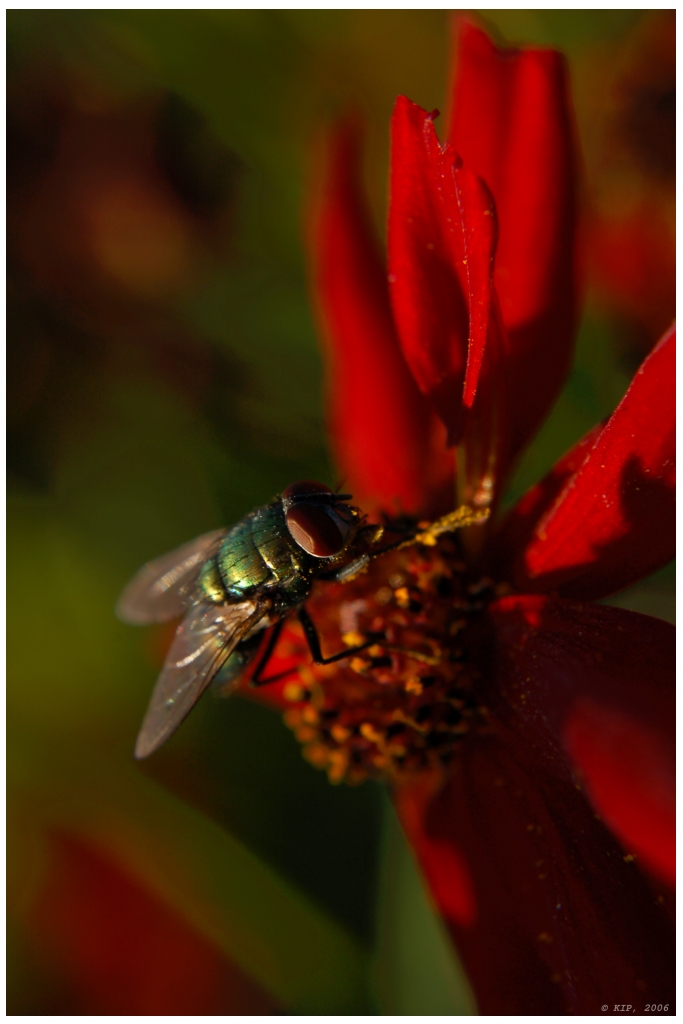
x=160, y=590
x=203, y=640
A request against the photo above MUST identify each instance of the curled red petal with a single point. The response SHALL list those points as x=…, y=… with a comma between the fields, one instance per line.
x=479, y=231
x=384, y=436
x=511, y=122
x=482, y=435
x=561, y=923
x=614, y=522
x=442, y=241
x=426, y=269
x=598, y=684
x=483, y=449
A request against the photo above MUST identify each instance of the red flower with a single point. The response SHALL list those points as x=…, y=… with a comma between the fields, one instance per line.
x=523, y=728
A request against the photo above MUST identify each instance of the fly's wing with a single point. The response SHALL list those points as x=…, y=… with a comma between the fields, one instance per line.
x=203, y=640
x=160, y=590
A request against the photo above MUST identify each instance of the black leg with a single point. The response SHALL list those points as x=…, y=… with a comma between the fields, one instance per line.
x=314, y=641
x=266, y=656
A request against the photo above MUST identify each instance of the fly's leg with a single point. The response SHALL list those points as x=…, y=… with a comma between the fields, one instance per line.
x=313, y=639
x=427, y=535
x=350, y=571
x=256, y=679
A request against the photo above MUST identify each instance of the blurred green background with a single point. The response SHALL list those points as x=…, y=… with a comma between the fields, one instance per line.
x=164, y=378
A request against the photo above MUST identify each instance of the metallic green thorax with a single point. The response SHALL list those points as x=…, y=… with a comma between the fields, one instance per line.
x=256, y=555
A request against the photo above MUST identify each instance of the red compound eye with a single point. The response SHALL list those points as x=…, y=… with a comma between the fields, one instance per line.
x=304, y=487
x=317, y=531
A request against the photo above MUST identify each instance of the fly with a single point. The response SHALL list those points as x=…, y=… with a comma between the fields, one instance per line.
x=232, y=584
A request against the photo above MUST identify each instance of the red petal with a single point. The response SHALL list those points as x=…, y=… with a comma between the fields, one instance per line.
x=517, y=529
x=598, y=682
x=426, y=260
x=512, y=125
x=614, y=521
x=549, y=918
x=115, y=949
x=385, y=438
x=633, y=265
x=628, y=779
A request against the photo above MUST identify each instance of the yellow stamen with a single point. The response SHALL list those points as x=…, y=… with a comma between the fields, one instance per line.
x=293, y=691
x=305, y=733
x=292, y=717
x=317, y=754
x=368, y=731
x=353, y=639
x=456, y=520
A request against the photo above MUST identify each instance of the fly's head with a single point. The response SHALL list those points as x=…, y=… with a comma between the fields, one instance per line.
x=324, y=525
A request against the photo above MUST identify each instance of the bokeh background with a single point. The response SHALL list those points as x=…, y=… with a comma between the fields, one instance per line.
x=164, y=379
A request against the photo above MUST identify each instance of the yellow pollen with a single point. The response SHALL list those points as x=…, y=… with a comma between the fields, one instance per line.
x=317, y=754
x=336, y=772
x=402, y=596
x=310, y=715
x=353, y=639
x=368, y=731
x=397, y=750
x=463, y=516
x=414, y=686
x=292, y=717
x=399, y=715
x=293, y=691
x=307, y=675
x=427, y=659
x=340, y=733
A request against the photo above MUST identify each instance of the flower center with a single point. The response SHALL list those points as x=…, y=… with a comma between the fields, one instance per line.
x=406, y=702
